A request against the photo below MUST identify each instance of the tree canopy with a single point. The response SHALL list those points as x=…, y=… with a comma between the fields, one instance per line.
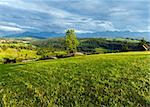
x=71, y=41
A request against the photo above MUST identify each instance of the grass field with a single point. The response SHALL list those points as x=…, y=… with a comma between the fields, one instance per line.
x=110, y=80
x=20, y=51
x=19, y=54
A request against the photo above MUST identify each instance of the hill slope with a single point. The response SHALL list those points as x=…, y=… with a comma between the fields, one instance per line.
x=108, y=80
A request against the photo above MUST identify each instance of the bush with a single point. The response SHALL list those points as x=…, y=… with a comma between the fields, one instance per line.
x=4, y=48
x=8, y=60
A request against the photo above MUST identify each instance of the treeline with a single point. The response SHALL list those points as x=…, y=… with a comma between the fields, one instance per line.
x=91, y=45
x=53, y=44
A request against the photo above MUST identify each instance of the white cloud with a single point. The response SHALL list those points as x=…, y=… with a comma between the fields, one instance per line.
x=9, y=28
x=93, y=25
x=83, y=31
x=14, y=26
x=85, y=15
x=18, y=4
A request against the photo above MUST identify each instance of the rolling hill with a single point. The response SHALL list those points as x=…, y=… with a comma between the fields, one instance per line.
x=107, y=80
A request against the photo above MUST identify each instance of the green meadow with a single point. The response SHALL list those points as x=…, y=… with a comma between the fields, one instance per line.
x=112, y=80
x=14, y=53
x=20, y=51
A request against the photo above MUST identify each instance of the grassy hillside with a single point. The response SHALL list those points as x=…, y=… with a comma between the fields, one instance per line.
x=19, y=54
x=109, y=80
x=20, y=51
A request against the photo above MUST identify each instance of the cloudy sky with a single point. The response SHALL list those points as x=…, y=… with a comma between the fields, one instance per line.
x=82, y=15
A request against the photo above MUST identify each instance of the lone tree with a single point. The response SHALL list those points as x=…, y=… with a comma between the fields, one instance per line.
x=71, y=41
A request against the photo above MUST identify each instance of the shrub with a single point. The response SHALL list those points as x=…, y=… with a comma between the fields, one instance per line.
x=8, y=60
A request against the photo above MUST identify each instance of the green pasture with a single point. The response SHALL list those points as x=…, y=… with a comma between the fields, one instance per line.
x=107, y=80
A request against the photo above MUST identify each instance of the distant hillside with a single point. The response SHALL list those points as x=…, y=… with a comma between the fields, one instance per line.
x=92, y=45
x=106, y=34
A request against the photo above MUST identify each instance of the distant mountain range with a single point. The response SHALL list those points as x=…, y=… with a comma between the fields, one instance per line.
x=106, y=34
x=39, y=35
